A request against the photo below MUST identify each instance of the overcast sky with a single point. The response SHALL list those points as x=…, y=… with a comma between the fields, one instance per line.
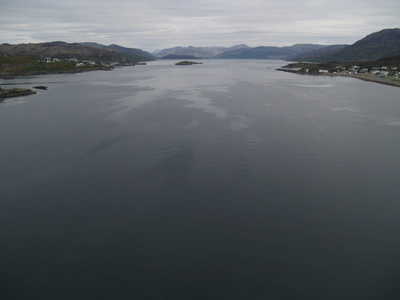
x=158, y=24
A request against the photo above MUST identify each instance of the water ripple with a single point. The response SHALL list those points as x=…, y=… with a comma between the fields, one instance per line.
x=106, y=143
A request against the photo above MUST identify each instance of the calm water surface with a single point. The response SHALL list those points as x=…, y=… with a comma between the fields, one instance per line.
x=226, y=180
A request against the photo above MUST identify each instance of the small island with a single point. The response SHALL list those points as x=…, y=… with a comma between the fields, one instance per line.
x=15, y=92
x=187, y=63
x=40, y=87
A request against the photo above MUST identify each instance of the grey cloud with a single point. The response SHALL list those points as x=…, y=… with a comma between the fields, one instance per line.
x=151, y=24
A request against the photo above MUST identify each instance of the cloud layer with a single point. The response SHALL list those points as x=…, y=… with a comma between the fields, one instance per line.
x=153, y=24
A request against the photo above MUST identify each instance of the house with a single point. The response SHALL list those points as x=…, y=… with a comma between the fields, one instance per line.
x=383, y=73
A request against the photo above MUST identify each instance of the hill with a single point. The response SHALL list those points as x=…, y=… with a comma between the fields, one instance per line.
x=198, y=52
x=134, y=52
x=61, y=57
x=374, y=46
x=63, y=50
x=264, y=52
x=179, y=56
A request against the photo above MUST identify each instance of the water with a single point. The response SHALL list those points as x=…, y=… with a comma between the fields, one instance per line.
x=227, y=180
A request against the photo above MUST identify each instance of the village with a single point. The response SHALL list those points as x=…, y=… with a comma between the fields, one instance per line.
x=81, y=63
x=383, y=71
x=362, y=70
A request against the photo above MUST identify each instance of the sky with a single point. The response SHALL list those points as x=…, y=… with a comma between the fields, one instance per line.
x=159, y=24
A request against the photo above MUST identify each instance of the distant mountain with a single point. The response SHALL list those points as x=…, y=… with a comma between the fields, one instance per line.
x=240, y=46
x=134, y=52
x=374, y=46
x=63, y=50
x=256, y=52
x=179, y=56
x=264, y=52
x=198, y=52
x=308, y=56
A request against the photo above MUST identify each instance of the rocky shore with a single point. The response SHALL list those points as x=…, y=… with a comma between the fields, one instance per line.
x=15, y=92
x=366, y=77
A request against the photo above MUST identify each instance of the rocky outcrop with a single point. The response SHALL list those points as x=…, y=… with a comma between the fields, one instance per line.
x=16, y=92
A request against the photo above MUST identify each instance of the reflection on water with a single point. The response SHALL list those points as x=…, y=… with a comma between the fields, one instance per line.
x=227, y=179
x=107, y=143
x=178, y=161
x=202, y=103
x=306, y=85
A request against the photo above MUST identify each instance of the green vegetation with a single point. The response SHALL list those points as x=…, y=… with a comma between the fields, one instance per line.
x=61, y=57
x=81, y=52
x=24, y=65
x=385, y=70
x=387, y=64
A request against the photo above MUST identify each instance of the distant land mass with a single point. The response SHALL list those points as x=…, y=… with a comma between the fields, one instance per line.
x=243, y=51
x=136, y=54
x=62, y=57
x=81, y=51
x=197, y=52
x=377, y=45
x=264, y=52
x=179, y=56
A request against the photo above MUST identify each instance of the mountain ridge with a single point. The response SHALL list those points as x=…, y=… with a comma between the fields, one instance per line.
x=271, y=52
x=143, y=55
x=242, y=51
x=374, y=46
x=80, y=51
x=198, y=52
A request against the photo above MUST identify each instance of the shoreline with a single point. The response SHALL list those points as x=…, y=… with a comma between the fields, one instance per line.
x=364, y=77
x=370, y=78
x=11, y=75
x=15, y=92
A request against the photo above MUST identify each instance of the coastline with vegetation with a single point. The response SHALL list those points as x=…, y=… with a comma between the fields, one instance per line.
x=372, y=78
x=365, y=77
x=61, y=57
x=385, y=71
x=15, y=66
x=11, y=66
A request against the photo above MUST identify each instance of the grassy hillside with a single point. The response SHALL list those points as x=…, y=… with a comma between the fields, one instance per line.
x=62, y=50
x=25, y=65
x=61, y=57
x=374, y=46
